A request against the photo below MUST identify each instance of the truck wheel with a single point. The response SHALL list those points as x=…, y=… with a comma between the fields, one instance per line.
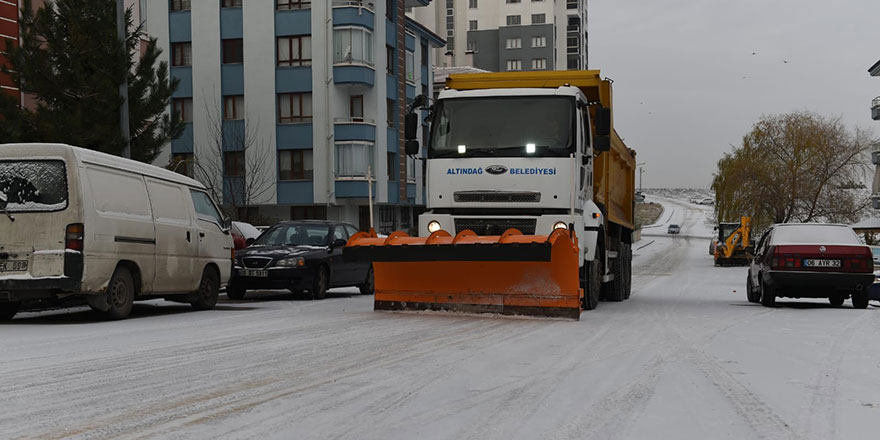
x=616, y=289
x=209, y=288
x=235, y=292
x=591, y=284
x=319, y=284
x=860, y=299
x=120, y=295
x=768, y=297
x=836, y=300
x=370, y=284
x=8, y=310
x=627, y=267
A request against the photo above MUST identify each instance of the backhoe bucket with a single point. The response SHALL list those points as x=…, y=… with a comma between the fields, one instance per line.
x=512, y=274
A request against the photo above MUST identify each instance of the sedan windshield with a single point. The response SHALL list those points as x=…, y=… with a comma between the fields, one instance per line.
x=295, y=234
x=503, y=126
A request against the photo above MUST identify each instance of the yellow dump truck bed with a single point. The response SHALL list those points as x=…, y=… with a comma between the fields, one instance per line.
x=614, y=170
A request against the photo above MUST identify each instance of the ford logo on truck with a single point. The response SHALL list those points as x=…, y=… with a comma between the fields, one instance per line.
x=496, y=169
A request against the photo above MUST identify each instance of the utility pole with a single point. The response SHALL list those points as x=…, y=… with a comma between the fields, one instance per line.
x=123, y=88
x=641, y=170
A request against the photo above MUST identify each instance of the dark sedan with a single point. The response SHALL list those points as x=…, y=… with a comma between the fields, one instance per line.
x=299, y=256
x=810, y=261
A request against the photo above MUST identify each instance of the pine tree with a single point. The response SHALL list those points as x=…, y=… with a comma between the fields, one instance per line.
x=73, y=62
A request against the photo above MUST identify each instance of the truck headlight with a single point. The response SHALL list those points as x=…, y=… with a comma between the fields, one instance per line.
x=291, y=262
x=434, y=226
x=560, y=225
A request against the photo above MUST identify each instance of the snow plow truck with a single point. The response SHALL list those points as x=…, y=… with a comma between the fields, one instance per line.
x=529, y=201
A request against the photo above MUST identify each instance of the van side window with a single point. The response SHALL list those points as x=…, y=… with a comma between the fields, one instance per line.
x=205, y=207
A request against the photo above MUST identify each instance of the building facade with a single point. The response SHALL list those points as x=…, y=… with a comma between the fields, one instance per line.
x=289, y=105
x=8, y=35
x=510, y=35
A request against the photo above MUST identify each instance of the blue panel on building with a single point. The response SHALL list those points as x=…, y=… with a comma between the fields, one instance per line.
x=348, y=189
x=185, y=87
x=183, y=144
x=296, y=193
x=410, y=190
x=353, y=16
x=293, y=136
x=230, y=23
x=179, y=27
x=391, y=86
x=425, y=76
x=355, y=132
x=410, y=92
x=234, y=135
x=232, y=79
x=293, y=79
x=393, y=192
x=293, y=22
x=393, y=140
x=410, y=43
x=390, y=34
x=354, y=75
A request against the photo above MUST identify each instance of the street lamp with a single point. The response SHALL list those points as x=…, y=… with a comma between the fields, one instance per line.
x=641, y=170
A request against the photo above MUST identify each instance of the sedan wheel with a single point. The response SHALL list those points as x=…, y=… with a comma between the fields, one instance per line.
x=768, y=297
x=752, y=295
x=860, y=300
x=319, y=285
x=8, y=310
x=369, y=285
x=836, y=300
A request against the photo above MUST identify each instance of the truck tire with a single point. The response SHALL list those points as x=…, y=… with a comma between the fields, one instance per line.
x=615, y=290
x=591, y=284
x=627, y=267
x=209, y=290
x=8, y=310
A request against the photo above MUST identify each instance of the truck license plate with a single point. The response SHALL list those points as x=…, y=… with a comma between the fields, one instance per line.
x=822, y=263
x=13, y=266
x=254, y=273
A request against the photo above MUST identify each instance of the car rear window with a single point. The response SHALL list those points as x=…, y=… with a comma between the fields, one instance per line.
x=814, y=234
x=33, y=185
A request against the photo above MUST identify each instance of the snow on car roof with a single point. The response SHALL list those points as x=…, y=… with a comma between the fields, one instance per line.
x=814, y=233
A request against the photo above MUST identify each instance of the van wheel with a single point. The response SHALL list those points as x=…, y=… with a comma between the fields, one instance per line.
x=370, y=284
x=8, y=310
x=319, y=284
x=120, y=295
x=209, y=289
x=860, y=299
x=235, y=292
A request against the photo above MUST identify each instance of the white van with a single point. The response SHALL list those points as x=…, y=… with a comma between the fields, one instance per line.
x=76, y=222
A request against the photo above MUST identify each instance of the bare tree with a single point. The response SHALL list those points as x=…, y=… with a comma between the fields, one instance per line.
x=797, y=167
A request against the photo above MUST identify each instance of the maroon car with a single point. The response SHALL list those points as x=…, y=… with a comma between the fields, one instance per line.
x=810, y=260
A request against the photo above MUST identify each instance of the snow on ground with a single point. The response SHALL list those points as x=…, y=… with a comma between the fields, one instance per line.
x=687, y=357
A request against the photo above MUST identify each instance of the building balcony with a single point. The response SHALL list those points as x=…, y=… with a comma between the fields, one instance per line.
x=353, y=13
x=354, y=129
x=356, y=73
x=875, y=109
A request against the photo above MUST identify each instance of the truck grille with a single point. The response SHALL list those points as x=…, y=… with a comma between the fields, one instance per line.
x=497, y=196
x=256, y=262
x=495, y=226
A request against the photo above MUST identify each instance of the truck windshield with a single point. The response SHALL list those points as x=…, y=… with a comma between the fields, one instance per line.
x=33, y=185
x=503, y=126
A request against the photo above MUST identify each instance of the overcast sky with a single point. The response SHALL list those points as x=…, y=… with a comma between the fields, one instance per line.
x=687, y=85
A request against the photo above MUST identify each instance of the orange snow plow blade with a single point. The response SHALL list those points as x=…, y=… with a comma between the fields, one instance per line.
x=510, y=274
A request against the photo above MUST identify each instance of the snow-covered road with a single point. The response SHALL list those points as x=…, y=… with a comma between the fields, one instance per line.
x=687, y=357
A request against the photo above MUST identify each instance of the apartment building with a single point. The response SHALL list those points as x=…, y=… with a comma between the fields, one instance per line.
x=8, y=35
x=510, y=35
x=297, y=101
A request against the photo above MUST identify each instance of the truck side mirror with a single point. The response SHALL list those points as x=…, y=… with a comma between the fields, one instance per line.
x=412, y=147
x=603, y=121
x=602, y=143
x=411, y=126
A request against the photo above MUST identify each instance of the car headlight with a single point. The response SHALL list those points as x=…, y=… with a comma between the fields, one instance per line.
x=434, y=226
x=560, y=225
x=291, y=262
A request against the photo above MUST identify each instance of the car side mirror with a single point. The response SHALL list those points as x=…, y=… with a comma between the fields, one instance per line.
x=411, y=126
x=411, y=148
x=603, y=121
x=249, y=241
x=338, y=243
x=602, y=143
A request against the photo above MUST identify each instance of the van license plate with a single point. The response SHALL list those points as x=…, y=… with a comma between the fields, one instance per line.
x=822, y=263
x=13, y=266
x=254, y=273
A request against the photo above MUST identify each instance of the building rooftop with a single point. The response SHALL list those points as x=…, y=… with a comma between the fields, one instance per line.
x=875, y=69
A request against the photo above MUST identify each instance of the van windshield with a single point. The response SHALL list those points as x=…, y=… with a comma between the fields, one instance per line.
x=33, y=185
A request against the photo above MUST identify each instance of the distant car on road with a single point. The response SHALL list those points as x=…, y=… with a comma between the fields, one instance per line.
x=299, y=256
x=814, y=260
x=673, y=229
x=640, y=197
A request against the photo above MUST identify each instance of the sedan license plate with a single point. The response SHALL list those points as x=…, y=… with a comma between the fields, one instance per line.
x=13, y=266
x=254, y=273
x=822, y=263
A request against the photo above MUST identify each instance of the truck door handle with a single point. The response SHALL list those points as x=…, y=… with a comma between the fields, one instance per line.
x=187, y=236
x=201, y=234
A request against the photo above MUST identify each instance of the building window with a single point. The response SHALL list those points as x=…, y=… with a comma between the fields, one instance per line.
x=410, y=67
x=514, y=65
x=391, y=113
x=287, y=5
x=392, y=60
x=572, y=4
x=180, y=5
x=233, y=107
x=539, y=41
x=356, y=104
x=353, y=45
x=539, y=18
x=183, y=108
x=410, y=169
x=473, y=4
x=233, y=51
x=308, y=212
x=425, y=55
x=295, y=51
x=230, y=3
x=472, y=25
x=392, y=166
x=390, y=9
x=513, y=1
x=182, y=163
x=514, y=20
x=295, y=165
x=353, y=159
x=233, y=163
x=294, y=108
x=514, y=43
x=539, y=64
x=181, y=54
x=472, y=46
